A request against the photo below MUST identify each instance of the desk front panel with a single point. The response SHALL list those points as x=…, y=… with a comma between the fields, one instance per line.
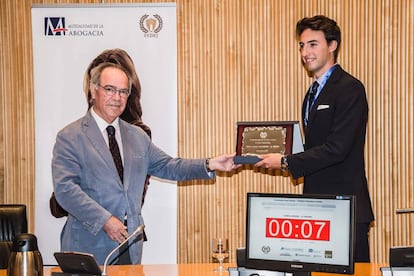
x=198, y=270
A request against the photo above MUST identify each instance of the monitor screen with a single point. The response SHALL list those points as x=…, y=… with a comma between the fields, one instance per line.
x=300, y=233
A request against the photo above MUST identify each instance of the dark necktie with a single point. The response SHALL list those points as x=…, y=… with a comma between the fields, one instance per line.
x=116, y=155
x=312, y=94
x=311, y=99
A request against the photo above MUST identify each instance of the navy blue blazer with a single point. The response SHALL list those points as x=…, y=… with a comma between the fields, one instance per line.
x=333, y=160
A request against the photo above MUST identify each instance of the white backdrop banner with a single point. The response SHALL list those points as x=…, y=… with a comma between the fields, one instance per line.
x=65, y=40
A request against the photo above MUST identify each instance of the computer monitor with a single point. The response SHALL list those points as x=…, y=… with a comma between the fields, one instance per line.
x=300, y=233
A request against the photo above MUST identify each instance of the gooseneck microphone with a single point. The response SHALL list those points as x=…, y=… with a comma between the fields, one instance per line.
x=138, y=230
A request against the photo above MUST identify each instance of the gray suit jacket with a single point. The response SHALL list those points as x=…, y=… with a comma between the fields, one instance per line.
x=87, y=185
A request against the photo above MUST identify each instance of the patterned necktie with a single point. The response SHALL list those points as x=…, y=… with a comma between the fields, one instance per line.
x=116, y=155
x=312, y=94
x=311, y=99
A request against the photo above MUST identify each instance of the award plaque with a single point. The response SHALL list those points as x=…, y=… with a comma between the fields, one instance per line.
x=257, y=138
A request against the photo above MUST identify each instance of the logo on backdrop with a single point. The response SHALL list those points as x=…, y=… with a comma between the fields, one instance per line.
x=56, y=26
x=150, y=25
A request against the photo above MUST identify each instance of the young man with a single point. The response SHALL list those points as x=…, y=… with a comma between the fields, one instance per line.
x=335, y=112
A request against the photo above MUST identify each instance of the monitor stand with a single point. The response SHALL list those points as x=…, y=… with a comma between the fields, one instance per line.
x=301, y=273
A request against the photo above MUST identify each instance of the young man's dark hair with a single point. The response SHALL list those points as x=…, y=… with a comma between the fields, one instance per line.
x=321, y=23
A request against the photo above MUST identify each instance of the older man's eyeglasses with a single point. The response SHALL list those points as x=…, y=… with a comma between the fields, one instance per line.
x=111, y=90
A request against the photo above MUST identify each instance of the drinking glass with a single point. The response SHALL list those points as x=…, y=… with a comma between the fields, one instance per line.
x=220, y=251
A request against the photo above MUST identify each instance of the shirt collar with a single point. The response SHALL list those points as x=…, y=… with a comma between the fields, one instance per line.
x=102, y=124
x=324, y=78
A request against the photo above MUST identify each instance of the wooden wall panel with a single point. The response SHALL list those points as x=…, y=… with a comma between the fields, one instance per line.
x=238, y=60
x=255, y=74
x=16, y=105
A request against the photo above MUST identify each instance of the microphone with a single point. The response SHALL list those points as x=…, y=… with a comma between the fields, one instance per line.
x=138, y=230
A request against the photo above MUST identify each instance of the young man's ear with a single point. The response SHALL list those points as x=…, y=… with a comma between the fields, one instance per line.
x=333, y=45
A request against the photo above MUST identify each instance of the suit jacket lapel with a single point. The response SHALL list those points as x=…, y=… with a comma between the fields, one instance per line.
x=91, y=129
x=126, y=144
x=336, y=74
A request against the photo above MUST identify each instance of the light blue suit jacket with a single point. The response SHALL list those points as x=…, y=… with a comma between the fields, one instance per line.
x=87, y=185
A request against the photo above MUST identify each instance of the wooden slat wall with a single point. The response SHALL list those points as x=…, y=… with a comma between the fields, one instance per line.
x=16, y=98
x=238, y=60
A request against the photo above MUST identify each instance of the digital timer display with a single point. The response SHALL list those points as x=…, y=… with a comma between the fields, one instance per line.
x=300, y=233
x=301, y=229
